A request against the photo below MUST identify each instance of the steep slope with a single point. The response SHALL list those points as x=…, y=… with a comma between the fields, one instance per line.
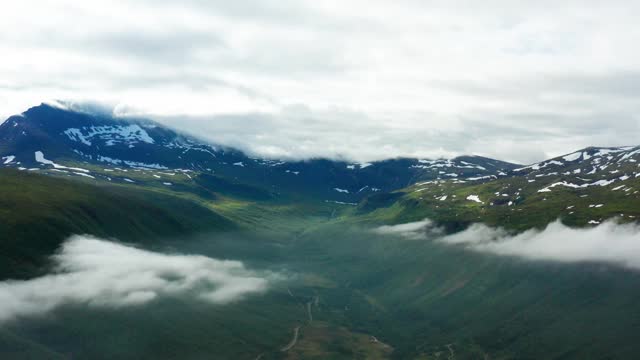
x=47, y=137
x=38, y=212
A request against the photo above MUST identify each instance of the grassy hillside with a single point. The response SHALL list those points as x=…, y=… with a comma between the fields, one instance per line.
x=38, y=212
x=514, y=203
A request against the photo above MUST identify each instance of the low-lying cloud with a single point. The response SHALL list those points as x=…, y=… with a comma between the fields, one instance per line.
x=413, y=230
x=609, y=242
x=101, y=273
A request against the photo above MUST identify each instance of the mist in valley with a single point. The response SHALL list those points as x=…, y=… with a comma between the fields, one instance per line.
x=242, y=293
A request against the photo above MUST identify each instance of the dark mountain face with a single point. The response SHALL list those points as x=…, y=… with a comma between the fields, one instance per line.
x=68, y=137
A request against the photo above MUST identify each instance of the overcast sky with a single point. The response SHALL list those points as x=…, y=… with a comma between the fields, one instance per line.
x=365, y=80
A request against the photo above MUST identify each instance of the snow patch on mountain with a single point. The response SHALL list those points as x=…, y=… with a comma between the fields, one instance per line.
x=488, y=177
x=127, y=134
x=541, y=165
x=41, y=159
x=359, y=165
x=475, y=198
x=446, y=163
x=572, y=157
x=8, y=159
x=583, y=186
x=134, y=164
x=85, y=175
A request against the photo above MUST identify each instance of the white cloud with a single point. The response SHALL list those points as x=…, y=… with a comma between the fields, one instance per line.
x=414, y=230
x=101, y=273
x=516, y=80
x=609, y=242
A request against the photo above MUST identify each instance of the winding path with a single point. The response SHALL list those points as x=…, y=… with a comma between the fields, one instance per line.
x=292, y=343
x=452, y=354
x=309, y=312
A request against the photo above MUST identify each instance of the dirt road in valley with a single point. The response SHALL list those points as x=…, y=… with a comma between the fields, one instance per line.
x=292, y=343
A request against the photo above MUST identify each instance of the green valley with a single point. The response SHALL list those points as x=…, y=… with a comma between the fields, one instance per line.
x=122, y=241
x=351, y=292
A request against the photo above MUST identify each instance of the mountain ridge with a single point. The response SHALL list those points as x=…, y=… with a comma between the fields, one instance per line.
x=69, y=137
x=140, y=152
x=583, y=188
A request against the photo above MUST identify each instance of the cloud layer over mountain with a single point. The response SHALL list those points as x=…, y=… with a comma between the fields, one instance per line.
x=101, y=273
x=362, y=79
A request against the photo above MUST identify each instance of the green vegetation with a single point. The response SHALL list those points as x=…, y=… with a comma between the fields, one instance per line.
x=38, y=212
x=420, y=296
x=352, y=294
x=513, y=203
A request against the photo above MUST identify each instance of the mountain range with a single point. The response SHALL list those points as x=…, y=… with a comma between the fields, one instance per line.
x=354, y=252
x=74, y=139
x=102, y=148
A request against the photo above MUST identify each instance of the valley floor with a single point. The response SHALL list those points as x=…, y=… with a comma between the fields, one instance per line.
x=338, y=290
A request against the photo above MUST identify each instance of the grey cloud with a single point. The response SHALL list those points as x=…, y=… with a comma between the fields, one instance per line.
x=541, y=135
x=101, y=273
x=519, y=82
x=613, y=84
x=171, y=46
x=414, y=230
x=298, y=134
x=261, y=9
x=581, y=85
x=189, y=49
x=524, y=138
x=289, y=14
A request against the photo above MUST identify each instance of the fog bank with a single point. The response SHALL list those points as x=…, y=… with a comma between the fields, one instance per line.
x=609, y=242
x=414, y=230
x=102, y=273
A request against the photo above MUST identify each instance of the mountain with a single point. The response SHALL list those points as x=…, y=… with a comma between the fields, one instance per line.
x=609, y=164
x=585, y=187
x=95, y=145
